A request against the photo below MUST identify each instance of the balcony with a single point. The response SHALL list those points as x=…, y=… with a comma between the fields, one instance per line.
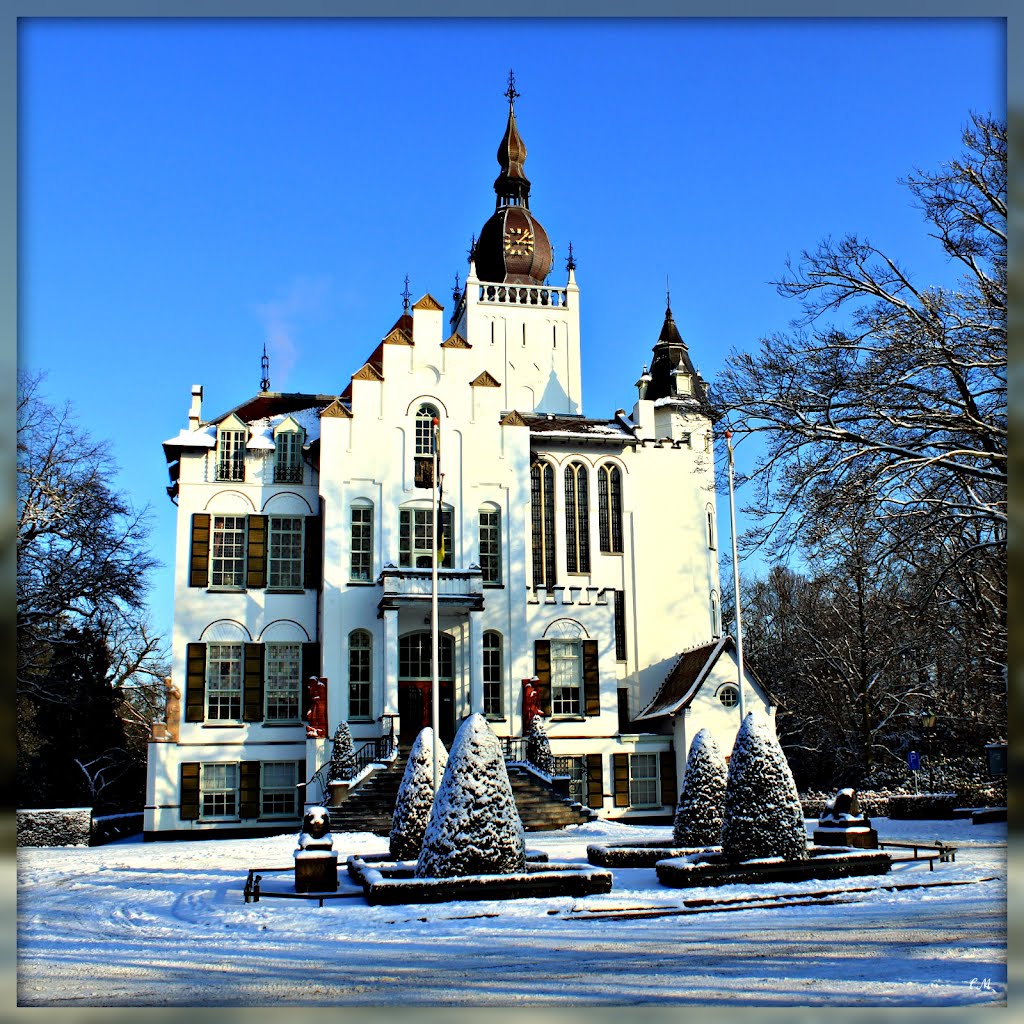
x=456, y=588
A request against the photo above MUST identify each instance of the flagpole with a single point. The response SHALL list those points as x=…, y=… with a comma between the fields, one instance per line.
x=434, y=673
x=736, y=583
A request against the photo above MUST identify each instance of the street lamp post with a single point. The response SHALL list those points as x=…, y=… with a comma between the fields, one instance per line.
x=736, y=583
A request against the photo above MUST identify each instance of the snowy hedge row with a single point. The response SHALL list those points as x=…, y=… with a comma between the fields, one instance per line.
x=55, y=826
x=894, y=805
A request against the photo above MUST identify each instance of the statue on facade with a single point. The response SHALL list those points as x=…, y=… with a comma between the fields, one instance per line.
x=316, y=716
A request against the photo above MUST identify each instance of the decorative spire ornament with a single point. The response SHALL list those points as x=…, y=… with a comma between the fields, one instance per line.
x=457, y=290
x=511, y=92
x=471, y=253
x=570, y=263
x=265, y=370
x=405, y=296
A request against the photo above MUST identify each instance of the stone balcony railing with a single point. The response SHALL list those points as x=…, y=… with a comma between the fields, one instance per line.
x=522, y=295
x=459, y=588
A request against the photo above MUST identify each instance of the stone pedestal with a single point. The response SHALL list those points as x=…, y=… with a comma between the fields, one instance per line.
x=339, y=793
x=861, y=837
x=843, y=824
x=316, y=870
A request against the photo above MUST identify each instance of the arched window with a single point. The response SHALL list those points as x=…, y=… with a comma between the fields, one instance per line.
x=492, y=674
x=490, y=544
x=609, y=508
x=360, y=677
x=577, y=519
x=729, y=695
x=425, y=416
x=542, y=488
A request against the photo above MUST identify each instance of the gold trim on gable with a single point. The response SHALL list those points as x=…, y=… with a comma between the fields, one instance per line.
x=398, y=337
x=368, y=372
x=456, y=341
x=336, y=410
x=485, y=380
x=428, y=302
x=512, y=419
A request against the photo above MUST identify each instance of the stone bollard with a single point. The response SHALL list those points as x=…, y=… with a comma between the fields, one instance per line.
x=316, y=863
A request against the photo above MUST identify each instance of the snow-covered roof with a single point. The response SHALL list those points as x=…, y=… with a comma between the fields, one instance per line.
x=204, y=437
x=576, y=428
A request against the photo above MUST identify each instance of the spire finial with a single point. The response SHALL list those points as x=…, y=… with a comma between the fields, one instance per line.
x=668, y=298
x=471, y=253
x=511, y=92
x=405, y=296
x=570, y=263
x=265, y=370
x=457, y=290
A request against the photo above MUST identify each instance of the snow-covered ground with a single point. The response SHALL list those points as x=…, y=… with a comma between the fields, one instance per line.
x=164, y=924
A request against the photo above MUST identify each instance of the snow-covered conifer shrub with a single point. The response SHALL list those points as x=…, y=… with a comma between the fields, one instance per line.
x=343, y=756
x=762, y=815
x=698, y=820
x=474, y=826
x=416, y=796
x=538, y=749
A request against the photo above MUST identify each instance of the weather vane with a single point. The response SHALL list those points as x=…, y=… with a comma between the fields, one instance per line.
x=405, y=296
x=510, y=92
x=265, y=369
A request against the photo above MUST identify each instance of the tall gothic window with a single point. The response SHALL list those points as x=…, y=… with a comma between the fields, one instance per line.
x=425, y=430
x=542, y=488
x=609, y=508
x=577, y=519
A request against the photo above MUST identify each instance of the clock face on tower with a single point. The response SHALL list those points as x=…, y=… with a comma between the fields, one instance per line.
x=518, y=241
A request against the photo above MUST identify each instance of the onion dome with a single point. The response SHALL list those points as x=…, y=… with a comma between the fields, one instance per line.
x=513, y=246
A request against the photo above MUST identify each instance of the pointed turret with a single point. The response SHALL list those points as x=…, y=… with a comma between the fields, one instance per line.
x=672, y=374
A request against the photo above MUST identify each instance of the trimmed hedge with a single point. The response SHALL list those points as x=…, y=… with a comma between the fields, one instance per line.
x=55, y=826
x=924, y=805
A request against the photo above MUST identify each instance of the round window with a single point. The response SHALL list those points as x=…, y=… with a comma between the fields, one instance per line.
x=729, y=696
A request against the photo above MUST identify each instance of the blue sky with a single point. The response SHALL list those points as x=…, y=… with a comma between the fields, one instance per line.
x=191, y=189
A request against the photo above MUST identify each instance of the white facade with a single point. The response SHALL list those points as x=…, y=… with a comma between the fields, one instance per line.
x=581, y=554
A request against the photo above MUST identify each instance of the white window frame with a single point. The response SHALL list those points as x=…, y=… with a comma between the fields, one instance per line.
x=493, y=681
x=415, y=537
x=219, y=785
x=282, y=690
x=288, y=467
x=228, y=542
x=284, y=567
x=361, y=529
x=279, y=789
x=360, y=673
x=224, y=679
x=729, y=695
x=231, y=442
x=424, y=429
x=644, y=780
x=490, y=545
x=566, y=678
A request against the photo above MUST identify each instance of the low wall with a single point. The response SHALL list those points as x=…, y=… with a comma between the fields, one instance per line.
x=55, y=826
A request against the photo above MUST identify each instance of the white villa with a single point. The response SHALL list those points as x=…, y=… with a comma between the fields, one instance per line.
x=578, y=573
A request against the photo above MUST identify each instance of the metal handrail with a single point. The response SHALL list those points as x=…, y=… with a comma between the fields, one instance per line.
x=376, y=751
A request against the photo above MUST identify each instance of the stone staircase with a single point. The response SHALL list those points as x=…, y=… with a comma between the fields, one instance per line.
x=370, y=807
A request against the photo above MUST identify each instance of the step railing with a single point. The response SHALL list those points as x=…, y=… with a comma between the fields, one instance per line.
x=570, y=770
x=377, y=751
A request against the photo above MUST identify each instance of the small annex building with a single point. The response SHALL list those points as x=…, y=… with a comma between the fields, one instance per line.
x=578, y=556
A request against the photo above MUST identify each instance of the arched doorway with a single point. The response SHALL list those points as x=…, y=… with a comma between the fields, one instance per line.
x=414, y=686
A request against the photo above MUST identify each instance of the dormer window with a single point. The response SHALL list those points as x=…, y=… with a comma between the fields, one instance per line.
x=288, y=440
x=231, y=439
x=684, y=384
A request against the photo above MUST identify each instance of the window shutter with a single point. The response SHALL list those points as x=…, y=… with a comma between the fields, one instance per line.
x=250, y=789
x=595, y=781
x=668, y=778
x=591, y=679
x=195, y=682
x=189, y=790
x=542, y=670
x=199, y=560
x=620, y=767
x=256, y=553
x=310, y=667
x=252, y=685
x=312, y=555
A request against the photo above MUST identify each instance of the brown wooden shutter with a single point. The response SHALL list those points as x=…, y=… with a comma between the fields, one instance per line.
x=256, y=552
x=195, y=682
x=252, y=684
x=199, y=560
x=595, y=781
x=542, y=670
x=591, y=679
x=189, y=789
x=668, y=778
x=620, y=768
x=310, y=667
x=312, y=554
x=250, y=789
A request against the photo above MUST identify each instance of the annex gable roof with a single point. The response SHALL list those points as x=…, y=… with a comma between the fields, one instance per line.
x=687, y=675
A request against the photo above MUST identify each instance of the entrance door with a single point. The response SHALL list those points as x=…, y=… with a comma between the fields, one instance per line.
x=415, y=684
